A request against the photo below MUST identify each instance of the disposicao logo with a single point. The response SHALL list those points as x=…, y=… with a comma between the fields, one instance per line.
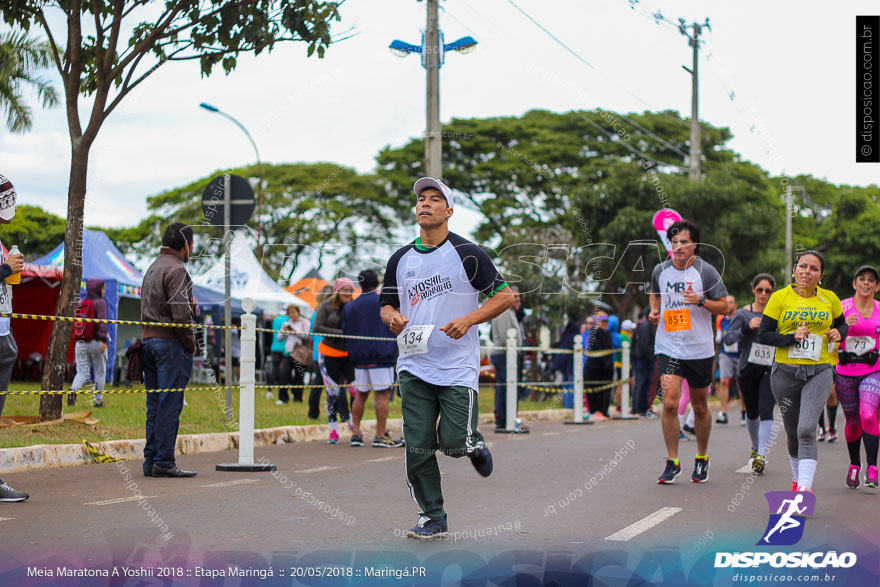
x=786, y=526
x=788, y=514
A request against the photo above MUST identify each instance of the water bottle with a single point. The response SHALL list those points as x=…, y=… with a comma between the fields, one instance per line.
x=15, y=278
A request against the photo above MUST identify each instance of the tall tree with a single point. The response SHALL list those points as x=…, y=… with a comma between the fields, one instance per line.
x=21, y=56
x=106, y=48
x=35, y=231
x=311, y=210
x=568, y=199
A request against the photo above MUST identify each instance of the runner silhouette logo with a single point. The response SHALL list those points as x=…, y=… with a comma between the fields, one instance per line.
x=788, y=513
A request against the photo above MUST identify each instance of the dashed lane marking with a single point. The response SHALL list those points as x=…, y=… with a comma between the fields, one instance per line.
x=316, y=469
x=228, y=483
x=644, y=524
x=120, y=500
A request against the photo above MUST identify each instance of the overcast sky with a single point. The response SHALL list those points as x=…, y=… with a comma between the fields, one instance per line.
x=791, y=66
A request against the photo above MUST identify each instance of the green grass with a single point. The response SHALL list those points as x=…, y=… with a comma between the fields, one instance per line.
x=123, y=416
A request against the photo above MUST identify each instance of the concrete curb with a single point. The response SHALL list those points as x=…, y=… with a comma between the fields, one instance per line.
x=52, y=456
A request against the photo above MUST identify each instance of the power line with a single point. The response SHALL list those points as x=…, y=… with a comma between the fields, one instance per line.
x=584, y=61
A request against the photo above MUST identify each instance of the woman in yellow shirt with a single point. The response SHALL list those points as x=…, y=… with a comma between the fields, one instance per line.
x=800, y=320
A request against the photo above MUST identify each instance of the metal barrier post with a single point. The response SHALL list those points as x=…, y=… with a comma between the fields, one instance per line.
x=512, y=392
x=623, y=409
x=579, y=382
x=246, y=395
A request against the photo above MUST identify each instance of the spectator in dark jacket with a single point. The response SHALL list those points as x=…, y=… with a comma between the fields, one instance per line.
x=564, y=362
x=92, y=353
x=373, y=360
x=167, y=351
x=599, y=368
x=643, y=363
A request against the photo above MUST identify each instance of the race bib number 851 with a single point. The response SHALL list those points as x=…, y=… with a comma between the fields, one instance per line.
x=677, y=320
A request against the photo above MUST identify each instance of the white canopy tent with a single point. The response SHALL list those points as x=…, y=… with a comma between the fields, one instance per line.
x=249, y=280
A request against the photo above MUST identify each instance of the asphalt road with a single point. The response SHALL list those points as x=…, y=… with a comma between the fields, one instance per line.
x=563, y=500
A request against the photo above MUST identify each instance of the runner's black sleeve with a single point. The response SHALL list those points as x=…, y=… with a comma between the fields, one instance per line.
x=478, y=268
x=390, y=295
x=767, y=333
x=841, y=326
x=5, y=271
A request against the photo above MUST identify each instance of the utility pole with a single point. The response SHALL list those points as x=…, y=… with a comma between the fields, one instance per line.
x=694, y=41
x=787, y=272
x=433, y=136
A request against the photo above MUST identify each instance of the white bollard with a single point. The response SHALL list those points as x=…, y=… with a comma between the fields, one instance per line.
x=246, y=395
x=579, y=382
x=623, y=409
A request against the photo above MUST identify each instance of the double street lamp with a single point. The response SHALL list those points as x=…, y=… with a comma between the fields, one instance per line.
x=433, y=51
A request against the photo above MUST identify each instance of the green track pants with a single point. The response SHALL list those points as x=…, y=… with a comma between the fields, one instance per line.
x=456, y=435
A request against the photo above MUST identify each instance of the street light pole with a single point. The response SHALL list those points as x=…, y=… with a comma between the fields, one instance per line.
x=216, y=110
x=694, y=154
x=433, y=136
x=433, y=50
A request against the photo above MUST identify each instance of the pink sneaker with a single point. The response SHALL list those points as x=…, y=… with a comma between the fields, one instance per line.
x=334, y=437
x=871, y=477
x=794, y=485
x=852, y=477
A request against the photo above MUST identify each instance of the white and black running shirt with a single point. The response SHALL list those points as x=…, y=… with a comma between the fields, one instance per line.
x=685, y=330
x=435, y=285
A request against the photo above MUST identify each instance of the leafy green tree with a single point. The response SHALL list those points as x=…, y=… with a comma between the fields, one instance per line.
x=20, y=58
x=106, y=48
x=35, y=231
x=576, y=192
x=309, y=210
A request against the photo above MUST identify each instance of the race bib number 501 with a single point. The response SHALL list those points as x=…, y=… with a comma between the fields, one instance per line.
x=809, y=348
x=414, y=339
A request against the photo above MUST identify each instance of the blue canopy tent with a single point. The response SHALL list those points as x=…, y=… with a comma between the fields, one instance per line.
x=102, y=259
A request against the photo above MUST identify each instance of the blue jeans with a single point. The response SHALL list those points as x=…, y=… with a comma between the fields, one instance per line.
x=166, y=366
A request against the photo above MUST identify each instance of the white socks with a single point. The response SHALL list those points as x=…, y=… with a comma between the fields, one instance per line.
x=794, y=467
x=334, y=426
x=690, y=417
x=764, y=431
x=806, y=470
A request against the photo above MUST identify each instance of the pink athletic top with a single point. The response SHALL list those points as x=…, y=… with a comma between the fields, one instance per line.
x=869, y=328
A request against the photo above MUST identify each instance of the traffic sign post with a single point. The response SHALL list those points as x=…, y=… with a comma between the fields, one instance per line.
x=238, y=207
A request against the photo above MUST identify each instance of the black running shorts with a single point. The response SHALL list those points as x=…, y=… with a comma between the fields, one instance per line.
x=697, y=372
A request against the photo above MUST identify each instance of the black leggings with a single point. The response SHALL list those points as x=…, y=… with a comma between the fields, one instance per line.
x=757, y=396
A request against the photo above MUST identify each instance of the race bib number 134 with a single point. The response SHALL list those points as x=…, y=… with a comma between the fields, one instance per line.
x=414, y=339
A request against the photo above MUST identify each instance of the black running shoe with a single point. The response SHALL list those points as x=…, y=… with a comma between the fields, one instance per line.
x=482, y=461
x=672, y=471
x=689, y=429
x=701, y=471
x=429, y=529
x=722, y=418
x=7, y=493
x=357, y=440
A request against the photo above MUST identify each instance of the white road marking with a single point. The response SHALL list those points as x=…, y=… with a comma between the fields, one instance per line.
x=549, y=433
x=4, y=519
x=228, y=483
x=316, y=469
x=644, y=524
x=379, y=460
x=120, y=500
x=744, y=469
